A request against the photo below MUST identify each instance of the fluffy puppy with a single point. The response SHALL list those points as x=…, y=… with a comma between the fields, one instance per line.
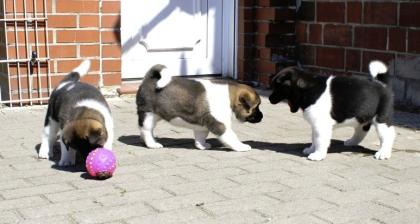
x=202, y=105
x=328, y=102
x=79, y=112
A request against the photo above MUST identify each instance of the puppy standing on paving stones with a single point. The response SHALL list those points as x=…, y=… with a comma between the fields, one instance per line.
x=82, y=116
x=328, y=102
x=202, y=105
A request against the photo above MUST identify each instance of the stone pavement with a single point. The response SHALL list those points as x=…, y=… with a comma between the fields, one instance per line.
x=273, y=183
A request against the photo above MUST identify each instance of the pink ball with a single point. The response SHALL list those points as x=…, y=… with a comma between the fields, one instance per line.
x=101, y=163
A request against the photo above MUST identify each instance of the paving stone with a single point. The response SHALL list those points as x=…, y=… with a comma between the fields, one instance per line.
x=9, y=217
x=176, y=216
x=403, y=217
x=233, y=218
x=61, y=208
x=212, y=174
x=108, y=214
x=22, y=203
x=48, y=220
x=208, y=185
x=124, y=197
x=82, y=193
x=184, y=201
x=36, y=190
x=252, y=189
x=13, y=184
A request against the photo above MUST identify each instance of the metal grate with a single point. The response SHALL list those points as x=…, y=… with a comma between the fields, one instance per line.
x=24, y=61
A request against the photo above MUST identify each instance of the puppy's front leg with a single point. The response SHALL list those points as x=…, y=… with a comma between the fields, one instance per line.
x=68, y=157
x=200, y=139
x=230, y=139
x=49, y=136
x=321, y=141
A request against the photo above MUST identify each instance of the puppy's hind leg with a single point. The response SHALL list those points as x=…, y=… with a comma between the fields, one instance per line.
x=386, y=136
x=360, y=133
x=49, y=136
x=322, y=138
x=147, y=122
x=200, y=139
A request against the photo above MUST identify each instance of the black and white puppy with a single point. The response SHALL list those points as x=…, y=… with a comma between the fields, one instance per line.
x=201, y=105
x=79, y=112
x=328, y=102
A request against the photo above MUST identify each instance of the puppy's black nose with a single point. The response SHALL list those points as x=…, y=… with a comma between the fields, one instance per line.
x=255, y=118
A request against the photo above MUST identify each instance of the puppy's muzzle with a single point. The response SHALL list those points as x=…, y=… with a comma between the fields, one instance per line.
x=255, y=117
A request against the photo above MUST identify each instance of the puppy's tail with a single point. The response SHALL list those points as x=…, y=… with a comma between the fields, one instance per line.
x=159, y=75
x=379, y=71
x=78, y=72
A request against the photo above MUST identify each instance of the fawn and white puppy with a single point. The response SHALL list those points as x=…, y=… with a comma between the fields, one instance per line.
x=201, y=105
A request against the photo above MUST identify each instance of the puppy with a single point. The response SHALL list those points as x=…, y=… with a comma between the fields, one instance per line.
x=79, y=112
x=327, y=102
x=201, y=105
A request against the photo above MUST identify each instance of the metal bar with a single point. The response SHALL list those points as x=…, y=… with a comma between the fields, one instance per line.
x=101, y=75
x=23, y=100
x=37, y=50
x=17, y=53
x=48, y=48
x=29, y=79
x=23, y=19
x=7, y=52
x=22, y=60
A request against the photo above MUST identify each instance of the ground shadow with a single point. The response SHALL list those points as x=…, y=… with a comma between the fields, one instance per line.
x=80, y=163
x=336, y=146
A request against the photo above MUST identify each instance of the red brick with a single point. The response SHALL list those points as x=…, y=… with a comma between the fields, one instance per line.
x=88, y=21
x=369, y=56
x=111, y=7
x=413, y=41
x=264, y=80
x=31, y=37
x=315, y=34
x=246, y=3
x=354, y=12
x=77, y=36
x=111, y=36
x=330, y=57
x=248, y=27
x=112, y=21
x=113, y=79
x=264, y=53
x=397, y=39
x=371, y=37
x=77, y=6
x=380, y=13
x=277, y=14
x=89, y=50
x=272, y=3
x=265, y=66
x=91, y=79
x=353, y=58
x=111, y=51
x=330, y=11
x=63, y=51
x=306, y=54
x=68, y=65
x=29, y=6
x=338, y=35
x=111, y=65
x=61, y=21
x=409, y=14
x=301, y=32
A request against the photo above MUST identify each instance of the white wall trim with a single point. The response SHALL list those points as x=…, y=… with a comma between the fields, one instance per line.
x=230, y=37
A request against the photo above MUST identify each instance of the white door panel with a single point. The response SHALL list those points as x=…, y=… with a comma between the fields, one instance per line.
x=185, y=35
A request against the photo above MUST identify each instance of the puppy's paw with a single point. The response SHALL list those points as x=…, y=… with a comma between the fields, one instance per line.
x=308, y=150
x=43, y=152
x=154, y=145
x=242, y=148
x=66, y=162
x=201, y=146
x=317, y=156
x=383, y=154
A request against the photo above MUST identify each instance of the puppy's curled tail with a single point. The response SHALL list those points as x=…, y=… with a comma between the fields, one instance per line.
x=158, y=74
x=78, y=72
x=379, y=71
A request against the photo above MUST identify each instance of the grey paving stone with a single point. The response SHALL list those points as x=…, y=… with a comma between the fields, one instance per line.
x=22, y=203
x=9, y=217
x=82, y=193
x=124, y=197
x=61, y=208
x=176, y=216
x=200, y=186
x=36, y=190
x=233, y=218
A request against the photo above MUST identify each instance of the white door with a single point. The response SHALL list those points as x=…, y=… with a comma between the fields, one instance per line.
x=185, y=35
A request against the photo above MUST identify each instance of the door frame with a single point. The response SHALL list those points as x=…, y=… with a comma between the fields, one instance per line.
x=230, y=39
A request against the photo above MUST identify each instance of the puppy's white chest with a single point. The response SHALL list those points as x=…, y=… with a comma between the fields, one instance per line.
x=179, y=122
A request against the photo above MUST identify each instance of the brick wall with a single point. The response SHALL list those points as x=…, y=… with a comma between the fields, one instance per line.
x=266, y=39
x=76, y=30
x=341, y=37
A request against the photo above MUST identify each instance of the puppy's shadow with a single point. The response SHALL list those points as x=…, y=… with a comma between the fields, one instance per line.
x=79, y=167
x=296, y=149
x=178, y=143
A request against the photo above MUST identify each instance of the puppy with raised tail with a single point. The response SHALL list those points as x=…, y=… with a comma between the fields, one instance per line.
x=334, y=101
x=79, y=112
x=201, y=105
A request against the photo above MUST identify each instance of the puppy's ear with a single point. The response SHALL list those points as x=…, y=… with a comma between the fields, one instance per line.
x=285, y=75
x=301, y=83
